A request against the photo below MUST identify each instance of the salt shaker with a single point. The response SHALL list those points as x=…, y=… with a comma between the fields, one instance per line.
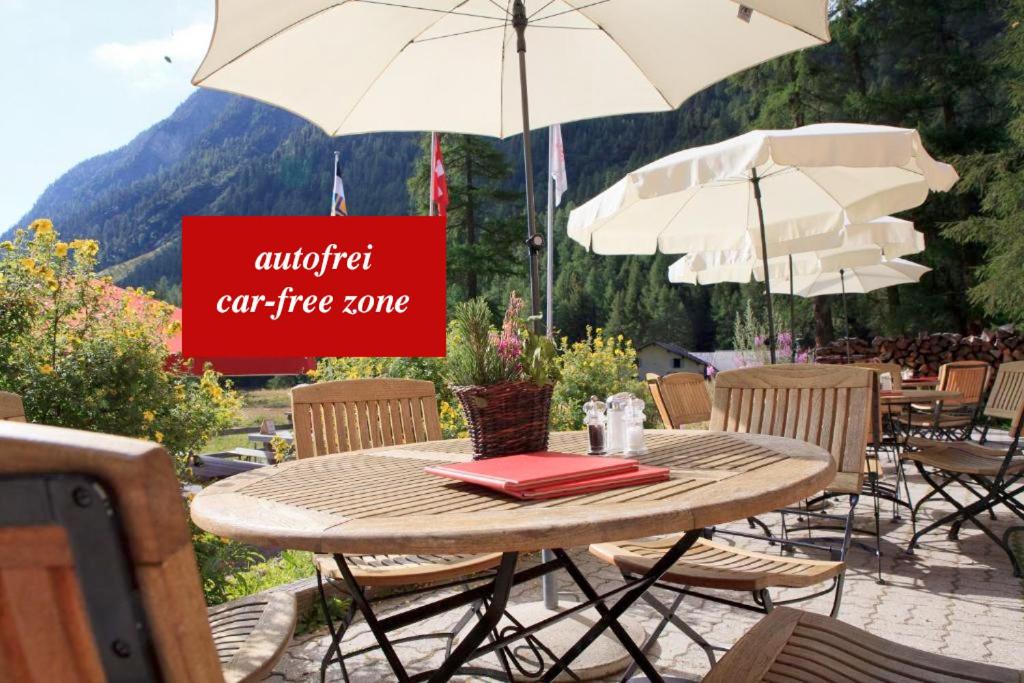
x=635, y=428
x=595, y=420
x=615, y=433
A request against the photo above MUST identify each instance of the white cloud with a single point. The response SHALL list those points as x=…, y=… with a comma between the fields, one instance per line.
x=143, y=62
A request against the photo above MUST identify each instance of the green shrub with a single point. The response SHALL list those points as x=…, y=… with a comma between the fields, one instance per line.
x=85, y=354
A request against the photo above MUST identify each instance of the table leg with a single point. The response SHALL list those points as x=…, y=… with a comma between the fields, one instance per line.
x=488, y=621
x=499, y=592
x=610, y=615
x=363, y=605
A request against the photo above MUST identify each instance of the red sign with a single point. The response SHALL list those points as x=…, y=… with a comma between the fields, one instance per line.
x=277, y=286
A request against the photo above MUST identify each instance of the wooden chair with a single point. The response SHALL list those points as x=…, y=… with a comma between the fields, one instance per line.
x=98, y=577
x=1006, y=395
x=790, y=645
x=992, y=475
x=954, y=419
x=885, y=437
x=11, y=407
x=347, y=415
x=827, y=405
x=681, y=398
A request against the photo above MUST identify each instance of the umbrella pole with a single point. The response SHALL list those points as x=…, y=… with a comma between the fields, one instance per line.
x=846, y=315
x=764, y=261
x=534, y=241
x=792, y=314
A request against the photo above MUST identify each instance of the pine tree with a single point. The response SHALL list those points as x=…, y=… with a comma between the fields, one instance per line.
x=484, y=222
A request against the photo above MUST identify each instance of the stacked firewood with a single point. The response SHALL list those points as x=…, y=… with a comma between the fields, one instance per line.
x=926, y=352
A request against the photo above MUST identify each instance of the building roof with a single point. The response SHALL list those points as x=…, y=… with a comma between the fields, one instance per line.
x=720, y=360
x=677, y=350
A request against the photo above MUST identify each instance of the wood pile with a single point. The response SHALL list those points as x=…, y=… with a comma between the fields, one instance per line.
x=924, y=353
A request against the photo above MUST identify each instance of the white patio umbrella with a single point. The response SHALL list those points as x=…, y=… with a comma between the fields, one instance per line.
x=767, y=191
x=861, y=244
x=356, y=66
x=858, y=280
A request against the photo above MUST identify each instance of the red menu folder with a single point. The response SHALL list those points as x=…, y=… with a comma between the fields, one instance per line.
x=641, y=475
x=513, y=473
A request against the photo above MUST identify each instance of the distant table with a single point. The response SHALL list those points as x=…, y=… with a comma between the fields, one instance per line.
x=265, y=439
x=380, y=501
x=920, y=383
x=905, y=399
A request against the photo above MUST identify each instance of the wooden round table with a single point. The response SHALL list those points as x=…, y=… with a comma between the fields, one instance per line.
x=907, y=397
x=380, y=501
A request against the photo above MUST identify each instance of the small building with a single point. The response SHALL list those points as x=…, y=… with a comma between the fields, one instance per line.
x=663, y=358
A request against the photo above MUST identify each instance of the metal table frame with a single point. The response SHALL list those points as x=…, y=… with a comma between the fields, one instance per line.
x=494, y=596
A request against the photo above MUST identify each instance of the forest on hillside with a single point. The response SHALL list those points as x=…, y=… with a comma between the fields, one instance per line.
x=950, y=68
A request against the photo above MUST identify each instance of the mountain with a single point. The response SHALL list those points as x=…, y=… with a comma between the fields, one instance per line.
x=216, y=154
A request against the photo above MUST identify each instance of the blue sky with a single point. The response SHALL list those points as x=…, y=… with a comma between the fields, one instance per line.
x=81, y=78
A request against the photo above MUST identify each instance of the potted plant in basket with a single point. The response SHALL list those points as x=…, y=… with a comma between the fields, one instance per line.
x=502, y=378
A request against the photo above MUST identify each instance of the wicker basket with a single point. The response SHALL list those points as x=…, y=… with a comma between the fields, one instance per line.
x=506, y=418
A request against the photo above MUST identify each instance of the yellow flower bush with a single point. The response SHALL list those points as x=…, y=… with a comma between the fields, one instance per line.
x=599, y=365
x=85, y=354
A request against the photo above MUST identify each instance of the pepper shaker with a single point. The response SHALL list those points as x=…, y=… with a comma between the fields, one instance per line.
x=595, y=420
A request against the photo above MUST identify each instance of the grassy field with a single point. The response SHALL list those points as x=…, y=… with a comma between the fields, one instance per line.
x=257, y=405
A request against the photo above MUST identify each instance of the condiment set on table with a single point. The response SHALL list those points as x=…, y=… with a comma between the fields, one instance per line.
x=615, y=426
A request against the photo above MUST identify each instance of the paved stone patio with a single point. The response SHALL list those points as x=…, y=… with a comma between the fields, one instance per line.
x=953, y=597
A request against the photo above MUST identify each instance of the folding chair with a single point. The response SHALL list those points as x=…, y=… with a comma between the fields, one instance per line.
x=886, y=437
x=335, y=417
x=681, y=398
x=953, y=419
x=991, y=475
x=98, y=580
x=790, y=645
x=822, y=404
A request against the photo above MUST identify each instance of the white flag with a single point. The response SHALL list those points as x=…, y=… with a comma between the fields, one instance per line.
x=556, y=163
x=339, y=207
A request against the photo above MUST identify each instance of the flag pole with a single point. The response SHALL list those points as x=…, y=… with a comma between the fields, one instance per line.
x=432, y=207
x=334, y=174
x=550, y=274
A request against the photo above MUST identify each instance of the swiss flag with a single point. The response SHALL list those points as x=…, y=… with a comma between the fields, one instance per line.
x=438, y=180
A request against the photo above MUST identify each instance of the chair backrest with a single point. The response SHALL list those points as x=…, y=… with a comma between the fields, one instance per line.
x=11, y=407
x=968, y=377
x=1007, y=395
x=93, y=541
x=827, y=405
x=347, y=415
x=681, y=398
